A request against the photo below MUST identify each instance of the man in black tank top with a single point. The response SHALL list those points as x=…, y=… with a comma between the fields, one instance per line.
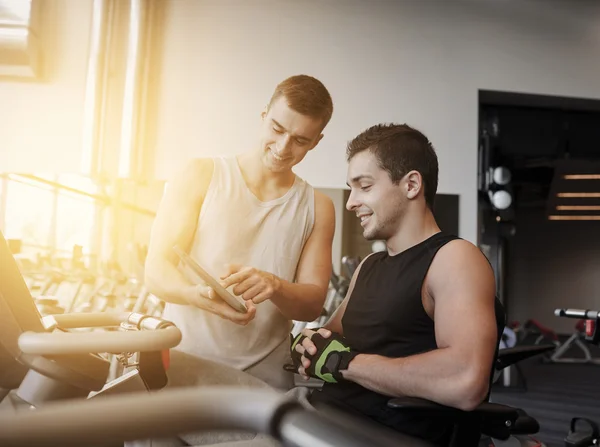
x=419, y=318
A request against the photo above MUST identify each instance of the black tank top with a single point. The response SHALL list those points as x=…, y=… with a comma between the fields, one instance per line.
x=385, y=316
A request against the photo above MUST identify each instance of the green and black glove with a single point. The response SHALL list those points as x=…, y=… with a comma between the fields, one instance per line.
x=333, y=354
x=296, y=356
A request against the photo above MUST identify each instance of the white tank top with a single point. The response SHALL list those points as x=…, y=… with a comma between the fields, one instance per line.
x=234, y=226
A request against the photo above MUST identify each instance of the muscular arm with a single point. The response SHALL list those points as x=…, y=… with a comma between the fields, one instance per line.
x=303, y=300
x=175, y=224
x=461, y=283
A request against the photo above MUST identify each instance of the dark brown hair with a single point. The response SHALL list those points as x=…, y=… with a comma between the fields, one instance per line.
x=400, y=149
x=305, y=95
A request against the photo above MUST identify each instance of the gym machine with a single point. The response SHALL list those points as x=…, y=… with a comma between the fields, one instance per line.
x=55, y=390
x=591, y=334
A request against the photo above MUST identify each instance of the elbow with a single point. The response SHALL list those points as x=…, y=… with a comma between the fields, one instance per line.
x=474, y=390
x=316, y=310
x=310, y=311
x=314, y=313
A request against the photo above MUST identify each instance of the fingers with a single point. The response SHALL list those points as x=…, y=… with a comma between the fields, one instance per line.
x=248, y=288
x=250, y=283
x=208, y=300
x=263, y=295
x=326, y=333
x=237, y=277
x=230, y=269
x=206, y=292
x=308, y=332
x=255, y=289
x=302, y=372
x=302, y=369
x=224, y=310
x=309, y=347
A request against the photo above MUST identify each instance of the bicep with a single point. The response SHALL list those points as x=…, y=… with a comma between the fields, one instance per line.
x=177, y=214
x=315, y=266
x=463, y=289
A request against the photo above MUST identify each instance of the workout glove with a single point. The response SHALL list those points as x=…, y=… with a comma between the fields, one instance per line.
x=333, y=354
x=296, y=356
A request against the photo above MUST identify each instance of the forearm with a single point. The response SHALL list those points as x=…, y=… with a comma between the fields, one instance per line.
x=165, y=281
x=438, y=375
x=301, y=302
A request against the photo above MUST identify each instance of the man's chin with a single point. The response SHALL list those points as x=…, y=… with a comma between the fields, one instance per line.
x=368, y=235
x=276, y=168
x=373, y=234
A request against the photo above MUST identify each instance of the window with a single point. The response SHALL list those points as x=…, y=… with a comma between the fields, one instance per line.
x=75, y=217
x=29, y=211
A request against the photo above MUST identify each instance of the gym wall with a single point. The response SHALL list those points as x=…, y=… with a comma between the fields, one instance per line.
x=406, y=61
x=415, y=62
x=552, y=265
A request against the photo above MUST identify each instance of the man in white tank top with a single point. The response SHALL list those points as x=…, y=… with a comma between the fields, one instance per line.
x=255, y=225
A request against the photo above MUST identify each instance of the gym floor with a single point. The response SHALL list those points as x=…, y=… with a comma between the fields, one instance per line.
x=555, y=394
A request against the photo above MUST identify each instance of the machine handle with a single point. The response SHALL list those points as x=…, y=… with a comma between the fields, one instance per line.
x=578, y=313
x=84, y=320
x=103, y=319
x=57, y=343
x=155, y=415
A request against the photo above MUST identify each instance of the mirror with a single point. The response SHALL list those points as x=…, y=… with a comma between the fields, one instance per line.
x=19, y=39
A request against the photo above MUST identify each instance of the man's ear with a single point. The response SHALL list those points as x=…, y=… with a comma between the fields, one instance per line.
x=263, y=114
x=414, y=184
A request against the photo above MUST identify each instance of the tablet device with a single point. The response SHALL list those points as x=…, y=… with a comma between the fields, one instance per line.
x=234, y=301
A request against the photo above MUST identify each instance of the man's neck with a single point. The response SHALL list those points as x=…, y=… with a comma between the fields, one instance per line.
x=415, y=228
x=264, y=183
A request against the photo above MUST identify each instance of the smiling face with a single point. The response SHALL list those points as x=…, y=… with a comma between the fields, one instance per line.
x=377, y=201
x=287, y=136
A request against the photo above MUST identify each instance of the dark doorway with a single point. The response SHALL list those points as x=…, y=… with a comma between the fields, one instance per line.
x=539, y=216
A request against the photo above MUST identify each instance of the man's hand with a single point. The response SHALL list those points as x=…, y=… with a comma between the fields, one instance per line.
x=205, y=298
x=250, y=283
x=321, y=354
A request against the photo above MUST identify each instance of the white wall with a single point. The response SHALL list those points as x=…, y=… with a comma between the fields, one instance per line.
x=41, y=122
x=404, y=61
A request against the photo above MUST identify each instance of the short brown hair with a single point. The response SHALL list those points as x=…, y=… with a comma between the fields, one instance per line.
x=400, y=149
x=305, y=95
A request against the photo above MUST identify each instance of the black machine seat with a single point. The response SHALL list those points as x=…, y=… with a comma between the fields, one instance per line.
x=19, y=314
x=525, y=424
x=491, y=419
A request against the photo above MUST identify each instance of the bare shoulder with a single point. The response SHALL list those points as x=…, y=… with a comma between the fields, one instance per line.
x=461, y=252
x=460, y=261
x=194, y=177
x=324, y=208
x=323, y=200
x=196, y=169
